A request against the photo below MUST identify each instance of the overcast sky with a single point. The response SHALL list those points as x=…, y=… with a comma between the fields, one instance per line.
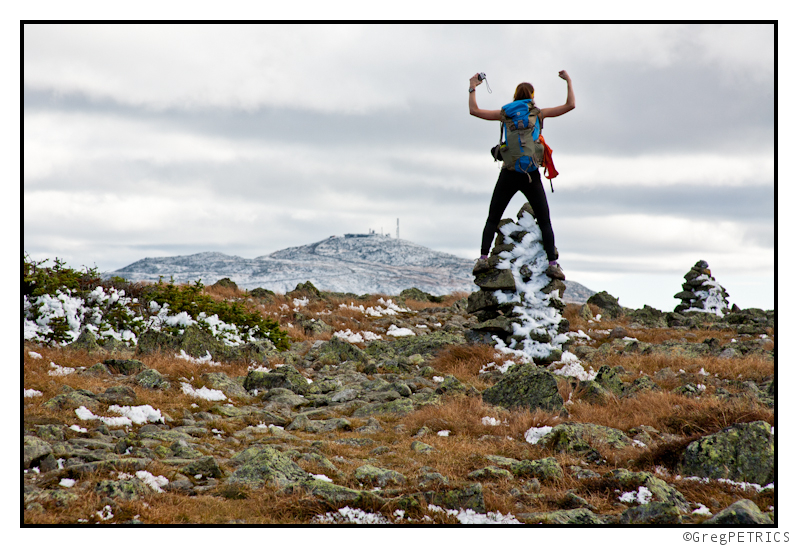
x=146, y=141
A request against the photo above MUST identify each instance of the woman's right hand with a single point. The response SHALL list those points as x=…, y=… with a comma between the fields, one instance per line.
x=474, y=80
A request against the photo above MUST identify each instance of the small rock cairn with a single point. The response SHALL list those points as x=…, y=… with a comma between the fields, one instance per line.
x=701, y=293
x=519, y=308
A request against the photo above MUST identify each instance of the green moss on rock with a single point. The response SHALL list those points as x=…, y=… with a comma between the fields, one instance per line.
x=525, y=385
x=741, y=452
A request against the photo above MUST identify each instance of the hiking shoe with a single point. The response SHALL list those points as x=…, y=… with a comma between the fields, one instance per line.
x=555, y=272
x=481, y=266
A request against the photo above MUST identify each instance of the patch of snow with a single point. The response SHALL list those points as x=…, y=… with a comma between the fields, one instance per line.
x=206, y=359
x=437, y=379
x=30, y=393
x=351, y=515
x=77, y=428
x=490, y=421
x=570, y=366
x=534, y=434
x=702, y=510
x=105, y=514
x=641, y=496
x=59, y=371
x=156, y=483
x=444, y=433
x=139, y=414
x=469, y=516
x=66, y=482
x=321, y=477
x=399, y=331
x=352, y=337
x=203, y=393
x=35, y=355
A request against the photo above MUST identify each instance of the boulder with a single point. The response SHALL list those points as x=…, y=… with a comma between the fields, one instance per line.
x=259, y=466
x=381, y=477
x=652, y=513
x=742, y=512
x=468, y=497
x=151, y=378
x=741, y=452
x=574, y=437
x=124, y=367
x=607, y=303
x=283, y=377
x=525, y=385
x=542, y=469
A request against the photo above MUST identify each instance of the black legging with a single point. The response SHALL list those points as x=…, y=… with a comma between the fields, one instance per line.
x=508, y=184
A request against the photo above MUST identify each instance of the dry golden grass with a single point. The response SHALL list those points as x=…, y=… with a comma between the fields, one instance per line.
x=465, y=362
x=455, y=456
x=756, y=368
x=669, y=412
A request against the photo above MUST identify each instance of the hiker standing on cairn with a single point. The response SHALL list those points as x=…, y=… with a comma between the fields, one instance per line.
x=522, y=122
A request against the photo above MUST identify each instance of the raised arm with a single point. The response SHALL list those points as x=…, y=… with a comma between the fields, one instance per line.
x=473, y=109
x=570, y=101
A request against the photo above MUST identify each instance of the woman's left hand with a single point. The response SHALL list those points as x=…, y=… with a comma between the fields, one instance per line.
x=475, y=81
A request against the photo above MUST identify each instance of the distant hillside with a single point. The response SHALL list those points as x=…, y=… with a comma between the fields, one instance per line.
x=354, y=263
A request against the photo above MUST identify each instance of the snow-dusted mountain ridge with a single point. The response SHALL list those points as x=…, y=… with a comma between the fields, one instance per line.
x=354, y=263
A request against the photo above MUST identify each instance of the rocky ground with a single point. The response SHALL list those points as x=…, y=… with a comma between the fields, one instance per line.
x=657, y=418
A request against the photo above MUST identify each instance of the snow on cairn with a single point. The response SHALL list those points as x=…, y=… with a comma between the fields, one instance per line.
x=701, y=293
x=519, y=307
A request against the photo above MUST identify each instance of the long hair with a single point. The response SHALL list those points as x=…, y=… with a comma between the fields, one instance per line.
x=524, y=91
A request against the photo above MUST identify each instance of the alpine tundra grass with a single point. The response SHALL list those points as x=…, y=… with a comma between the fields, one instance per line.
x=393, y=425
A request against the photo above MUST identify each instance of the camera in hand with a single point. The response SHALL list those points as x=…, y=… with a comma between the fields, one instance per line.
x=481, y=76
x=496, y=152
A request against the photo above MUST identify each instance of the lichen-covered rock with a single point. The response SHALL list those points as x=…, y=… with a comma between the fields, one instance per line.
x=230, y=387
x=198, y=342
x=607, y=303
x=282, y=377
x=334, y=495
x=741, y=452
x=468, y=497
x=400, y=406
x=373, y=475
x=649, y=317
x=542, y=469
x=259, y=466
x=573, y=437
x=124, y=367
x=577, y=516
x=128, y=489
x=205, y=466
x=152, y=379
x=86, y=341
x=336, y=351
x=34, y=449
x=652, y=513
x=417, y=295
x=306, y=289
x=490, y=473
x=73, y=399
x=662, y=491
x=428, y=344
x=525, y=385
x=742, y=512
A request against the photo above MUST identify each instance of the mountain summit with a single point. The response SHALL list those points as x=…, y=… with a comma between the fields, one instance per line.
x=353, y=263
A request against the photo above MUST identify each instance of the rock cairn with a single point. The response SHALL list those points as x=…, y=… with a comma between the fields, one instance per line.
x=519, y=308
x=701, y=293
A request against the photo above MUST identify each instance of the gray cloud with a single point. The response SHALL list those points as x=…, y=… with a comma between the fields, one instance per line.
x=166, y=150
